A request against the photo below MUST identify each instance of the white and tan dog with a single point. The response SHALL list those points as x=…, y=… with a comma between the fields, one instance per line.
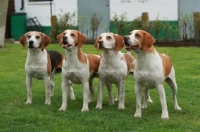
x=41, y=64
x=114, y=66
x=78, y=67
x=151, y=70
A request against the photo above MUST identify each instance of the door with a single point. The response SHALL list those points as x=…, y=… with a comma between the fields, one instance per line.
x=93, y=17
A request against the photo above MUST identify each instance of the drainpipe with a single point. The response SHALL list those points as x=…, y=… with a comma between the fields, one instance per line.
x=22, y=5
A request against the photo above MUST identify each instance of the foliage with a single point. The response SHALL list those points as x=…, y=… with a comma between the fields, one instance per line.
x=186, y=30
x=18, y=116
x=63, y=22
x=94, y=25
x=157, y=26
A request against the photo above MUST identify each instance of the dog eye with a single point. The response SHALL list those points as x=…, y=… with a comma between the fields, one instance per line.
x=137, y=35
x=29, y=36
x=72, y=34
x=99, y=37
x=108, y=37
x=64, y=33
x=37, y=37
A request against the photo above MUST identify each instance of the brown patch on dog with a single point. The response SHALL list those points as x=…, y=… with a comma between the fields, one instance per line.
x=94, y=61
x=167, y=64
x=59, y=37
x=45, y=40
x=81, y=56
x=22, y=40
x=49, y=67
x=119, y=42
x=129, y=61
x=147, y=40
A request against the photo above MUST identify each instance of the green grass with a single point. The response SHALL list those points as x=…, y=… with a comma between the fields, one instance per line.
x=15, y=115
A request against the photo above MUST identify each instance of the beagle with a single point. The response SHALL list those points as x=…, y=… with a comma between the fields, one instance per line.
x=78, y=67
x=151, y=70
x=41, y=64
x=114, y=66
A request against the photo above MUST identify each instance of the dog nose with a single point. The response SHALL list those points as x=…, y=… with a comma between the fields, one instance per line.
x=64, y=37
x=126, y=39
x=100, y=43
x=30, y=44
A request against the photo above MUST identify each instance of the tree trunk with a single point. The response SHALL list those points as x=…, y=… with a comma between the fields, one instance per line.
x=3, y=16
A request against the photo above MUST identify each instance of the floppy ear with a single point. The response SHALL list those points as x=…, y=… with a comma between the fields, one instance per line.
x=45, y=41
x=81, y=39
x=148, y=41
x=96, y=44
x=22, y=40
x=59, y=37
x=119, y=42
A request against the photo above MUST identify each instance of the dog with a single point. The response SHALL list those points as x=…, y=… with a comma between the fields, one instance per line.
x=41, y=64
x=114, y=66
x=151, y=70
x=78, y=67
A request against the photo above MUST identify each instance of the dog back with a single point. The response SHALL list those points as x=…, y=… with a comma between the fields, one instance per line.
x=56, y=60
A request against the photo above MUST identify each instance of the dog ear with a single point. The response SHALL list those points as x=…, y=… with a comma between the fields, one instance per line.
x=148, y=41
x=22, y=40
x=59, y=37
x=45, y=41
x=81, y=39
x=119, y=42
x=96, y=45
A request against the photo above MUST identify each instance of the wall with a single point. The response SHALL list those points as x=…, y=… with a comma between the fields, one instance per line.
x=42, y=9
x=166, y=9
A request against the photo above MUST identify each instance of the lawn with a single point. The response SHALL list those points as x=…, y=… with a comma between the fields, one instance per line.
x=16, y=116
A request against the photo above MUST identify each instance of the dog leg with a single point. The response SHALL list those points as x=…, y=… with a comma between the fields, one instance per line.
x=138, y=94
x=65, y=86
x=109, y=87
x=52, y=87
x=163, y=102
x=172, y=83
x=29, y=89
x=91, y=99
x=85, y=96
x=72, y=96
x=48, y=90
x=146, y=97
x=121, y=93
x=100, y=92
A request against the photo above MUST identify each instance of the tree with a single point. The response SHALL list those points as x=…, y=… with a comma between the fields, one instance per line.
x=3, y=16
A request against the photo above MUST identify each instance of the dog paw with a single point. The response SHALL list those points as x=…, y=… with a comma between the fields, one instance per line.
x=116, y=99
x=72, y=98
x=112, y=102
x=165, y=116
x=98, y=107
x=137, y=115
x=62, y=108
x=84, y=109
x=121, y=107
x=90, y=100
x=47, y=103
x=177, y=108
x=144, y=106
x=28, y=102
x=150, y=100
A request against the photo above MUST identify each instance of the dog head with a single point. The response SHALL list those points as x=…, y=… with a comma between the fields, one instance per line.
x=109, y=41
x=138, y=40
x=71, y=38
x=35, y=40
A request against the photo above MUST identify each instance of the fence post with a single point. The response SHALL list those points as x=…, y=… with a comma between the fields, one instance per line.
x=196, y=26
x=3, y=17
x=145, y=21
